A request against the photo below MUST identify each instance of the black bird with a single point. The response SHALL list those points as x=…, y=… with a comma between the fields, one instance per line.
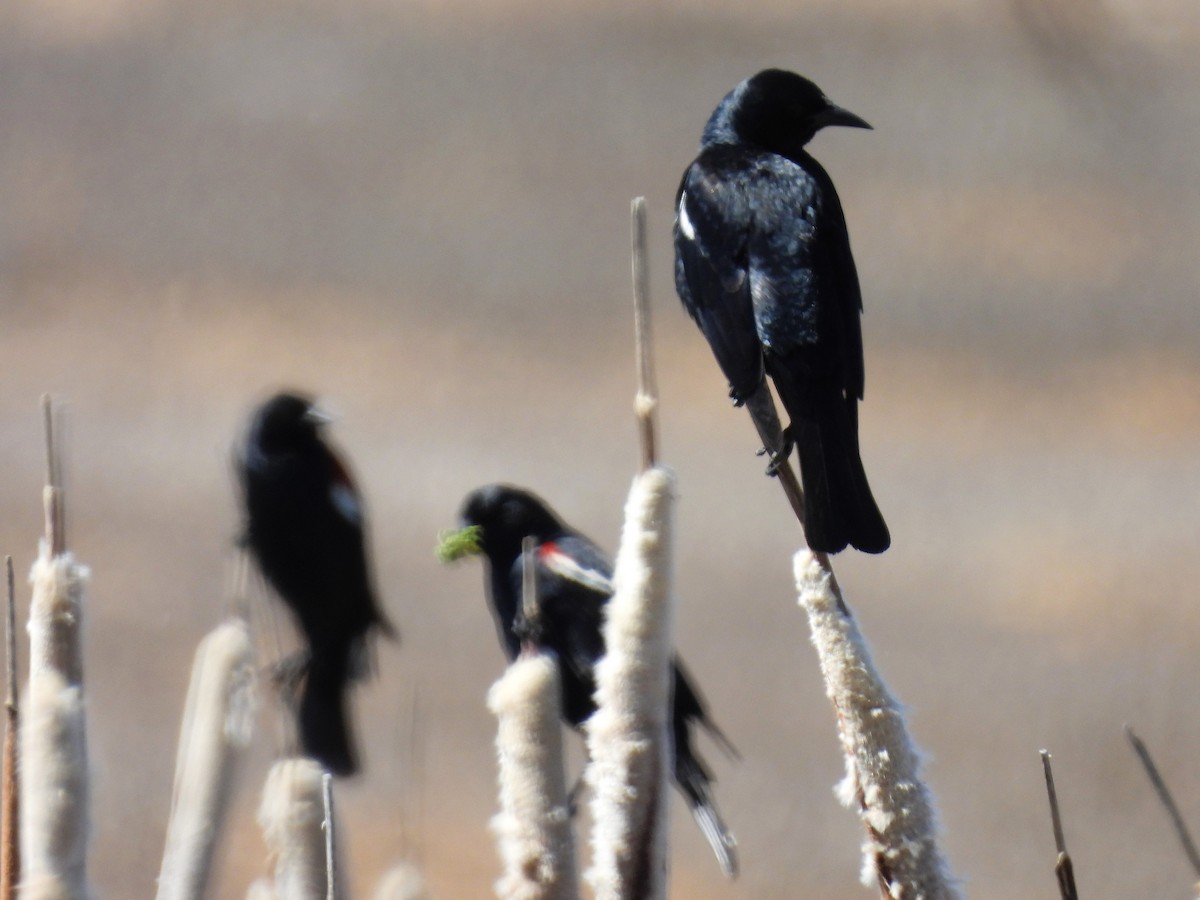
x=574, y=582
x=305, y=527
x=763, y=265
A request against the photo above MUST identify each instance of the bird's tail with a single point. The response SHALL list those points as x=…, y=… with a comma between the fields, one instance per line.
x=838, y=506
x=323, y=720
x=695, y=781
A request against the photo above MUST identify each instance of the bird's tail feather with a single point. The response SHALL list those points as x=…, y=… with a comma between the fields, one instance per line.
x=719, y=837
x=696, y=784
x=323, y=721
x=838, y=506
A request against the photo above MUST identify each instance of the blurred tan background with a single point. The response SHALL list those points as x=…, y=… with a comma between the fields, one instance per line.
x=420, y=212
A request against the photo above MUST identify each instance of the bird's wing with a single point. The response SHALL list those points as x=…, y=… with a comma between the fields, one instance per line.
x=712, y=274
x=804, y=286
x=574, y=583
x=342, y=492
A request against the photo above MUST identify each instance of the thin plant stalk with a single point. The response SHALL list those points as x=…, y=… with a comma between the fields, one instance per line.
x=10, y=851
x=1165, y=798
x=882, y=781
x=646, y=399
x=217, y=723
x=1064, y=869
x=331, y=871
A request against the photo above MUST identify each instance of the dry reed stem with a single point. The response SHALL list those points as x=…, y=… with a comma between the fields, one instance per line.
x=1164, y=797
x=533, y=827
x=646, y=399
x=882, y=764
x=1064, y=869
x=627, y=735
x=54, y=784
x=10, y=852
x=292, y=818
x=217, y=722
x=332, y=878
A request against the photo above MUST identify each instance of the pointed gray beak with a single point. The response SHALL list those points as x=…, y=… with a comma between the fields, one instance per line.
x=835, y=115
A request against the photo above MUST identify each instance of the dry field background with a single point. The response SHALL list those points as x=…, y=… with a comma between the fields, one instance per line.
x=419, y=211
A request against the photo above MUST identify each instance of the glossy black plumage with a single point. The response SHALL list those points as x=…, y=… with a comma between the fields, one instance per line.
x=763, y=265
x=304, y=526
x=574, y=582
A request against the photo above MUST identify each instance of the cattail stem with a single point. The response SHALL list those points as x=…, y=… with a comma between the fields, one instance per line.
x=10, y=853
x=627, y=737
x=1165, y=798
x=55, y=519
x=331, y=871
x=646, y=399
x=292, y=817
x=217, y=722
x=530, y=609
x=882, y=764
x=1064, y=869
x=534, y=822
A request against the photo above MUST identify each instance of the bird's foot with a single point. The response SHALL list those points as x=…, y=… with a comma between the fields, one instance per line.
x=778, y=459
x=738, y=399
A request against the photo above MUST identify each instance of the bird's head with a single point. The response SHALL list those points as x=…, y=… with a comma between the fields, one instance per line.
x=494, y=520
x=776, y=110
x=285, y=423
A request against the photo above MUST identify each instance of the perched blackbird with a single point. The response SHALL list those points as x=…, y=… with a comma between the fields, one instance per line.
x=574, y=582
x=304, y=526
x=763, y=265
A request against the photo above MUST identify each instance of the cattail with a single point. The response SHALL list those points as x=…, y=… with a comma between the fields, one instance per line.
x=54, y=784
x=627, y=734
x=261, y=889
x=292, y=817
x=402, y=881
x=534, y=822
x=217, y=721
x=882, y=780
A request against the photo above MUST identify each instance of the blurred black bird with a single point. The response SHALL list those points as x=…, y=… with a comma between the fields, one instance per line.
x=763, y=265
x=305, y=528
x=574, y=582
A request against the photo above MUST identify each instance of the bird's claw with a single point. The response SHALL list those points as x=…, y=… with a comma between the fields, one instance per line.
x=778, y=459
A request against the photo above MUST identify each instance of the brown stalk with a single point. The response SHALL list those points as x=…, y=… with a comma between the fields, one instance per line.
x=10, y=850
x=646, y=399
x=1164, y=796
x=56, y=532
x=1064, y=871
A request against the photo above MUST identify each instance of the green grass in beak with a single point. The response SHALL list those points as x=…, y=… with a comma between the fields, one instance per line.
x=459, y=542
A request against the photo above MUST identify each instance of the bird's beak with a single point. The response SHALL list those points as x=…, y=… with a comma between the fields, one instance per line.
x=319, y=416
x=835, y=115
x=456, y=543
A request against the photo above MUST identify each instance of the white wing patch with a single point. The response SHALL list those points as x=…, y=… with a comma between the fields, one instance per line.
x=564, y=567
x=346, y=502
x=685, y=222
